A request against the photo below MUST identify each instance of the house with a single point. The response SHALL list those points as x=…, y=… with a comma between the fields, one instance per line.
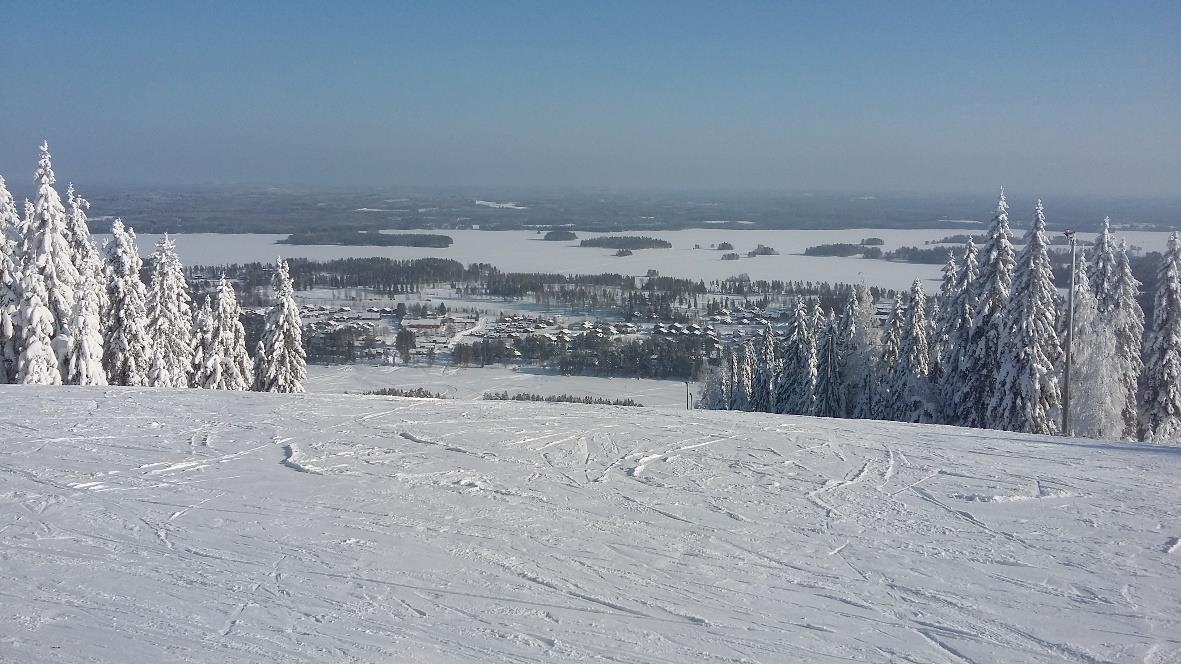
x=421, y=326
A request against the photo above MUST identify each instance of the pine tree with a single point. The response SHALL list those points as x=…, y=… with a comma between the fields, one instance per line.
x=169, y=320
x=9, y=285
x=957, y=330
x=1127, y=319
x=37, y=364
x=861, y=341
x=84, y=364
x=795, y=393
x=763, y=393
x=1027, y=397
x=887, y=399
x=285, y=363
x=207, y=357
x=912, y=402
x=127, y=351
x=980, y=363
x=236, y=369
x=1096, y=407
x=46, y=251
x=830, y=389
x=1162, y=356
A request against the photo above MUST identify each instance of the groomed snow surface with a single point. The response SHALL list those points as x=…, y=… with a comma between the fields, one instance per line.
x=145, y=525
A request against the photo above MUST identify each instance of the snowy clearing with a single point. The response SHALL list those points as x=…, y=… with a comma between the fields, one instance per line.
x=148, y=525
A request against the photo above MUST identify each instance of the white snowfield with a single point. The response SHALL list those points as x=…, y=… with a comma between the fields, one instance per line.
x=152, y=525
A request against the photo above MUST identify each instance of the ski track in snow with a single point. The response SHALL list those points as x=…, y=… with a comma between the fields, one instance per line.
x=170, y=526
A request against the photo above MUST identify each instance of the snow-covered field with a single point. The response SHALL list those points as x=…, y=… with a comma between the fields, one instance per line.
x=472, y=382
x=192, y=526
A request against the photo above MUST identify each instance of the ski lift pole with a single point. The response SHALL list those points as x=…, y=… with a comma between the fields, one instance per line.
x=1069, y=233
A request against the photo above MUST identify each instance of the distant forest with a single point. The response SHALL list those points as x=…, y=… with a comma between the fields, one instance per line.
x=631, y=242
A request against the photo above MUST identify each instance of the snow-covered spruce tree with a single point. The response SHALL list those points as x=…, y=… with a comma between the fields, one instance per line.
x=207, y=355
x=766, y=364
x=88, y=263
x=818, y=319
x=46, y=250
x=861, y=341
x=84, y=362
x=957, y=329
x=38, y=363
x=285, y=362
x=1028, y=396
x=734, y=397
x=912, y=403
x=830, y=389
x=169, y=320
x=1096, y=405
x=1161, y=396
x=938, y=315
x=236, y=369
x=744, y=382
x=9, y=285
x=127, y=348
x=1127, y=319
x=726, y=379
x=712, y=395
x=886, y=401
x=83, y=251
x=980, y=362
x=259, y=367
x=1103, y=274
x=795, y=392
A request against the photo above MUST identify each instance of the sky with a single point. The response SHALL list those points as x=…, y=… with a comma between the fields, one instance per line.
x=916, y=97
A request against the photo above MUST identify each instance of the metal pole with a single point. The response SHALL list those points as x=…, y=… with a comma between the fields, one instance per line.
x=1069, y=338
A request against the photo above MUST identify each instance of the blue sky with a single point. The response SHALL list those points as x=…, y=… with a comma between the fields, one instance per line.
x=1067, y=97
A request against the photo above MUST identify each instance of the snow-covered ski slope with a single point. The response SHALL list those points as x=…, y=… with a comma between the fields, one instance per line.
x=200, y=526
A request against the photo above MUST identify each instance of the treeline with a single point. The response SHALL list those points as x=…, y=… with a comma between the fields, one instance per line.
x=987, y=352
x=560, y=236
x=367, y=238
x=649, y=357
x=412, y=392
x=626, y=242
x=844, y=250
x=560, y=398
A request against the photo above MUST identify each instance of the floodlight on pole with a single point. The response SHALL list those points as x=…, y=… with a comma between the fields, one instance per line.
x=1069, y=233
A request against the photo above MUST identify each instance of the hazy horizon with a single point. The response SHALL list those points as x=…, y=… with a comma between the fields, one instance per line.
x=1070, y=99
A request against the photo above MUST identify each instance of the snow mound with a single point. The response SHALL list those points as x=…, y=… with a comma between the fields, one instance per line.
x=159, y=525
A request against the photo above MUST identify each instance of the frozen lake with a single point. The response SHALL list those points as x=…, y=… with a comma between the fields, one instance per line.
x=524, y=251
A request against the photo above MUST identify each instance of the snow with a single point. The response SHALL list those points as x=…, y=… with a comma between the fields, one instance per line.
x=157, y=525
